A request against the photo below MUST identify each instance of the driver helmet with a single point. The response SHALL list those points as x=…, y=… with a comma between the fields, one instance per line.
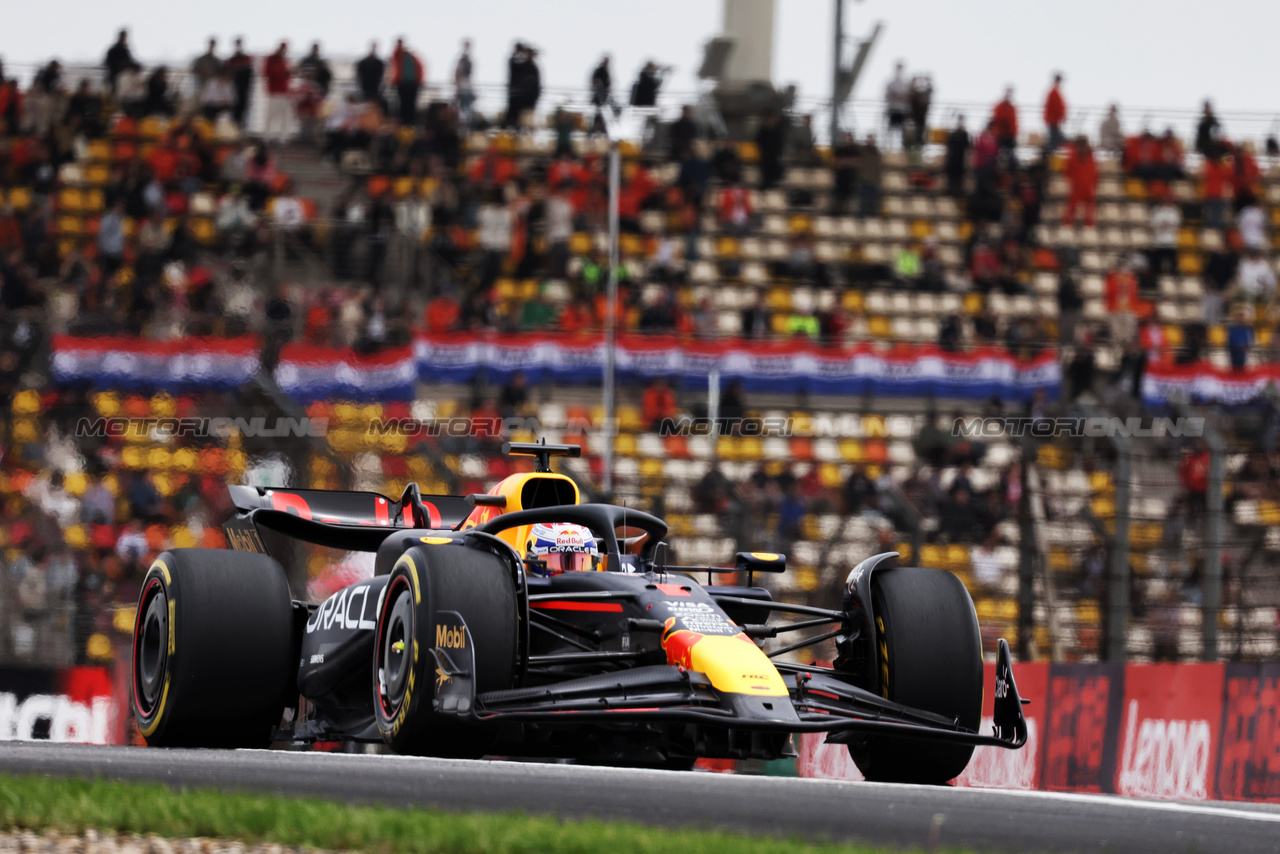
x=556, y=547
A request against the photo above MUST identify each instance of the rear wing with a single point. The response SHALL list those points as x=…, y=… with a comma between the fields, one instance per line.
x=358, y=521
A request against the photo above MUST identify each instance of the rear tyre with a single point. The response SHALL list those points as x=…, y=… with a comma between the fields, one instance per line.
x=930, y=658
x=424, y=581
x=212, y=649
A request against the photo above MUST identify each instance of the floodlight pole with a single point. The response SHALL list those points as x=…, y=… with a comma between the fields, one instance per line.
x=835, y=72
x=611, y=320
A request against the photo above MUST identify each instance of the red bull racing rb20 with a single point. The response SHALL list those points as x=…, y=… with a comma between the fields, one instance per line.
x=523, y=623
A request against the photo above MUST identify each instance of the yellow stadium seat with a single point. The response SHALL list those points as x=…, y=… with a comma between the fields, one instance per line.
x=748, y=152
x=851, y=451
x=973, y=303
x=880, y=327
x=852, y=301
x=630, y=420
x=1217, y=336
x=1189, y=263
x=830, y=476
x=624, y=445
x=75, y=482
x=580, y=243
x=26, y=402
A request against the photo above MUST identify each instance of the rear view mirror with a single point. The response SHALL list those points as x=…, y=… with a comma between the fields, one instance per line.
x=760, y=562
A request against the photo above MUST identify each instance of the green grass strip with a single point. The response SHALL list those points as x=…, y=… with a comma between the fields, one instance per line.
x=73, y=806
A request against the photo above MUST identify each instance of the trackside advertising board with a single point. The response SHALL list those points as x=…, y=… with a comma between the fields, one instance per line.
x=1172, y=731
x=73, y=704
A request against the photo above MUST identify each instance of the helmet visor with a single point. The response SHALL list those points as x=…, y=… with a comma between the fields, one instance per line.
x=569, y=561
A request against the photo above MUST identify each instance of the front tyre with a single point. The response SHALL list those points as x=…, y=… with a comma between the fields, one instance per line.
x=212, y=649
x=425, y=581
x=929, y=658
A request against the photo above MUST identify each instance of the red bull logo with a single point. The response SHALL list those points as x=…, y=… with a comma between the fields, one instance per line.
x=733, y=663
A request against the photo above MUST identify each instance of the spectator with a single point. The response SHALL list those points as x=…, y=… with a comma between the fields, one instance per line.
x=464, y=93
x=369, y=73
x=1246, y=178
x=218, y=96
x=1005, y=126
x=1110, y=135
x=859, y=492
x=524, y=84
x=497, y=226
x=1122, y=301
x=660, y=315
x=683, y=132
x=736, y=208
x=1253, y=225
x=1208, y=133
x=657, y=404
x=206, y=66
x=1166, y=220
x=118, y=58
x=1055, y=115
x=733, y=402
x=558, y=222
x=1255, y=278
x=644, y=92
x=985, y=562
x=276, y=75
x=1239, y=339
x=1193, y=474
x=870, y=170
x=1082, y=176
x=111, y=239
x=131, y=91
x=514, y=398
x=157, y=102
x=755, y=318
x=240, y=64
x=602, y=94
x=771, y=141
x=897, y=102
x=921, y=99
x=958, y=145
x=1070, y=304
x=318, y=67
x=407, y=76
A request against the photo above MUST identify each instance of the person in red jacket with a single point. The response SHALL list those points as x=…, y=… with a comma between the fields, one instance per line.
x=735, y=208
x=407, y=76
x=276, y=76
x=1055, y=115
x=1082, y=176
x=1005, y=121
x=1213, y=189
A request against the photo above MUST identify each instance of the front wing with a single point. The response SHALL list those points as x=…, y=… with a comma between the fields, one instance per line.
x=817, y=702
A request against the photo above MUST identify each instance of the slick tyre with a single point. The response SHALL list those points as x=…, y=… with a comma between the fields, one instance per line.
x=425, y=581
x=212, y=649
x=929, y=658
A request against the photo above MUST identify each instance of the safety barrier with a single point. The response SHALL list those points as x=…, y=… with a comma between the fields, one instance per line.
x=1173, y=731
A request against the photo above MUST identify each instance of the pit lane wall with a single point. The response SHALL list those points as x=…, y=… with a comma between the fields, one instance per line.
x=1173, y=731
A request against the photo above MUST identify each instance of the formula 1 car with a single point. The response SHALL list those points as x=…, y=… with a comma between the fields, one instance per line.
x=463, y=644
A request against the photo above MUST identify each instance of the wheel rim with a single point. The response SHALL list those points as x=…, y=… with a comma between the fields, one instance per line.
x=151, y=649
x=395, y=653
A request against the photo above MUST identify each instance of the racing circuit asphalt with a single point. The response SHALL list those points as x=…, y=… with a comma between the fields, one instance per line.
x=892, y=815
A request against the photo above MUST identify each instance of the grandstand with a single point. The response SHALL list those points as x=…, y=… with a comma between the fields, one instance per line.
x=288, y=248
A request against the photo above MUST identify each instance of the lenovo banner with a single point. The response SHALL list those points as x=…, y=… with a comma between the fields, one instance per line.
x=1174, y=731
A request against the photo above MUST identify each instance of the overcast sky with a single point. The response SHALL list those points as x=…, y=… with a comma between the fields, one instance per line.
x=1143, y=53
